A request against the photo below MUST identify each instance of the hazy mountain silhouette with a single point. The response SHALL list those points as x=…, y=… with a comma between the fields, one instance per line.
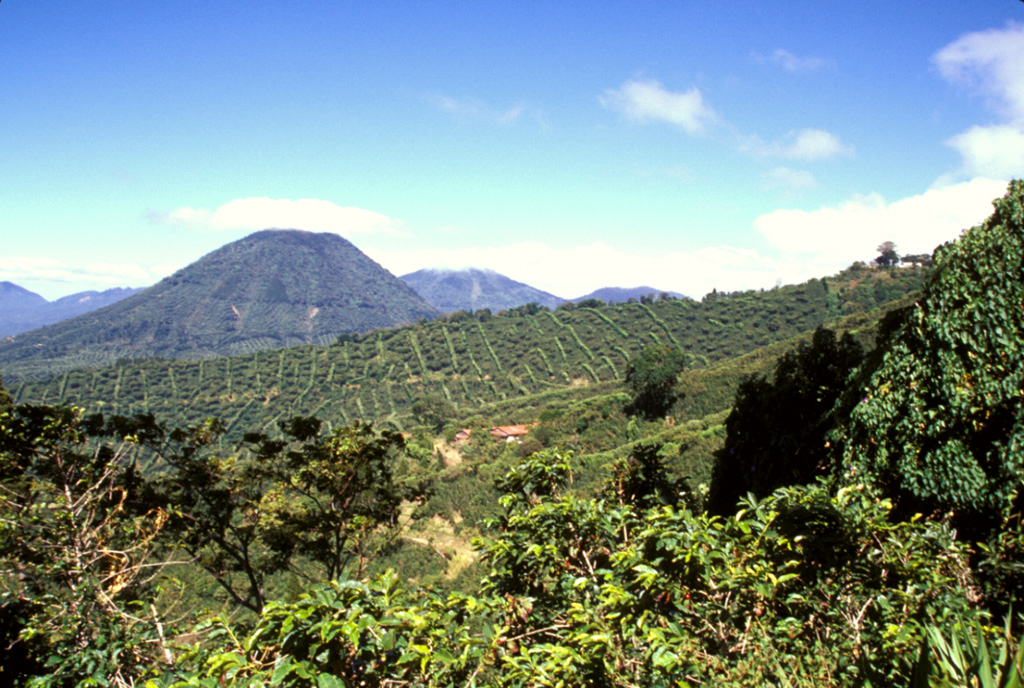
x=472, y=289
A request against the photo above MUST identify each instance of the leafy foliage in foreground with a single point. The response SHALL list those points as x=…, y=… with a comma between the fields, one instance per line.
x=319, y=505
x=86, y=541
x=77, y=546
x=622, y=590
x=940, y=425
x=969, y=656
x=628, y=587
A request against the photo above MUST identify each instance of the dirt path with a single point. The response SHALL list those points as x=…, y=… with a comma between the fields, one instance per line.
x=438, y=534
x=449, y=454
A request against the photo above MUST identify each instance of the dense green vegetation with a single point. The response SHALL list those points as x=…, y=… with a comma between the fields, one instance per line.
x=651, y=376
x=6, y=403
x=271, y=289
x=939, y=422
x=779, y=429
x=886, y=553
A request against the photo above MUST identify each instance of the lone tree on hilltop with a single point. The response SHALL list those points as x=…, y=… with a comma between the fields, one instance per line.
x=887, y=255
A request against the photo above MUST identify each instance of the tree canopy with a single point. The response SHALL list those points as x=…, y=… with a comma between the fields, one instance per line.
x=433, y=411
x=6, y=403
x=778, y=429
x=887, y=255
x=652, y=376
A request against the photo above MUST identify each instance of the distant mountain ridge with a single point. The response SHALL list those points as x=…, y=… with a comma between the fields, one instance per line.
x=473, y=289
x=624, y=294
x=271, y=289
x=22, y=310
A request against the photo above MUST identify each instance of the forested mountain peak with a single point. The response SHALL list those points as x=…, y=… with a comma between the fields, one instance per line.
x=270, y=289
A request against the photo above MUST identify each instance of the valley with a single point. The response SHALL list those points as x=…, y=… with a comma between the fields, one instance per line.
x=246, y=462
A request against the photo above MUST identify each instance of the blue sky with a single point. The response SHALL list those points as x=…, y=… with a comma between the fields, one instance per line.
x=683, y=145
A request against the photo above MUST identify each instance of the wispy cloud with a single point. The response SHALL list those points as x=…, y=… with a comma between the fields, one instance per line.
x=26, y=270
x=793, y=63
x=472, y=107
x=649, y=101
x=990, y=62
x=253, y=214
x=789, y=179
x=807, y=145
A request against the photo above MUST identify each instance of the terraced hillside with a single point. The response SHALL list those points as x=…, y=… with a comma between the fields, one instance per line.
x=467, y=360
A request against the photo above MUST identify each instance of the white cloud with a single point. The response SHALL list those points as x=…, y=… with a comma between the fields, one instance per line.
x=786, y=178
x=990, y=61
x=792, y=63
x=253, y=214
x=807, y=145
x=647, y=101
x=830, y=238
x=188, y=217
x=996, y=151
x=803, y=245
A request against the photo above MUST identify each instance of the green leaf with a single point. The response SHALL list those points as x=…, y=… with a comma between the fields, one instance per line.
x=329, y=681
x=284, y=667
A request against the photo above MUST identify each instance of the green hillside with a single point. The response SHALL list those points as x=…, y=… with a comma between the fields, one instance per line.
x=471, y=361
x=272, y=289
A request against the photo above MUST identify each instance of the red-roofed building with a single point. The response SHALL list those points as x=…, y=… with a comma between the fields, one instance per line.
x=509, y=433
